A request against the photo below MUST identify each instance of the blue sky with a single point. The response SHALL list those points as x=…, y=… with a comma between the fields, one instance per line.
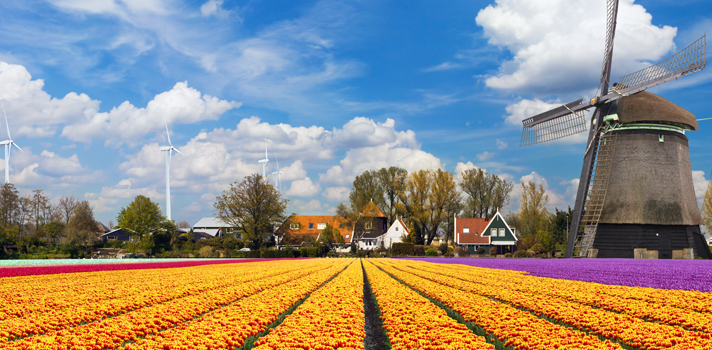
x=338, y=87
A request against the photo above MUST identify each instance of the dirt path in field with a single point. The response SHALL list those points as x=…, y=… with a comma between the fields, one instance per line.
x=376, y=338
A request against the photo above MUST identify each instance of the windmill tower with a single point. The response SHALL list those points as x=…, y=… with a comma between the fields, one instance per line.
x=264, y=162
x=8, y=148
x=169, y=155
x=635, y=189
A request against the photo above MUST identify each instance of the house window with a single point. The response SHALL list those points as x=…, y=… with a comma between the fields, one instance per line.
x=294, y=226
x=466, y=230
x=341, y=225
x=501, y=232
x=347, y=236
x=396, y=228
x=321, y=226
x=369, y=225
x=373, y=211
x=493, y=232
x=311, y=225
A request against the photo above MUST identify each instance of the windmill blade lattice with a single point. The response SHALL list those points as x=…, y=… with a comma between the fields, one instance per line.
x=563, y=126
x=611, y=14
x=689, y=60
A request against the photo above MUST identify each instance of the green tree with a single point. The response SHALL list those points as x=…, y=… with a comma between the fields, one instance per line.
x=562, y=220
x=142, y=217
x=486, y=193
x=534, y=220
x=82, y=226
x=428, y=197
x=55, y=230
x=254, y=207
x=330, y=236
x=392, y=181
x=367, y=187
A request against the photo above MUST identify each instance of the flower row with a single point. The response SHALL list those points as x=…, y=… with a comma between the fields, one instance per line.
x=413, y=322
x=643, y=303
x=331, y=318
x=629, y=330
x=229, y=326
x=130, y=326
x=517, y=328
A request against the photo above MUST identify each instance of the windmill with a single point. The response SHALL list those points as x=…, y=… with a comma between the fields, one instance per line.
x=277, y=177
x=264, y=162
x=169, y=155
x=635, y=190
x=8, y=147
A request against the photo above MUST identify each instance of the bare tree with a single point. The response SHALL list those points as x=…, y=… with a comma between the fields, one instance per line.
x=67, y=204
x=82, y=226
x=9, y=204
x=183, y=224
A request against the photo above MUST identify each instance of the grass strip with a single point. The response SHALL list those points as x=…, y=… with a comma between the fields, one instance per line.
x=376, y=335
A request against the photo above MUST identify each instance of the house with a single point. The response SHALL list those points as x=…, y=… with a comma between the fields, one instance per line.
x=117, y=235
x=488, y=233
x=303, y=230
x=101, y=229
x=393, y=235
x=215, y=227
x=371, y=225
x=197, y=235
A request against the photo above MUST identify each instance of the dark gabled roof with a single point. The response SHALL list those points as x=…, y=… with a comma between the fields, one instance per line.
x=201, y=235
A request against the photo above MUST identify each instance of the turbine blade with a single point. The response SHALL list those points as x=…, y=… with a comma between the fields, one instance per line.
x=167, y=133
x=177, y=151
x=18, y=147
x=6, y=124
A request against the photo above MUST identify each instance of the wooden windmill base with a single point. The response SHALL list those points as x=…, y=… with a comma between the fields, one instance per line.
x=621, y=240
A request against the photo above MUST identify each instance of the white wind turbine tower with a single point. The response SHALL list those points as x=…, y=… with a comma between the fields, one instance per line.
x=8, y=147
x=277, y=175
x=169, y=154
x=264, y=162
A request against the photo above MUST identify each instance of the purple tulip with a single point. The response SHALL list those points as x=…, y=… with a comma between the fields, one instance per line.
x=662, y=274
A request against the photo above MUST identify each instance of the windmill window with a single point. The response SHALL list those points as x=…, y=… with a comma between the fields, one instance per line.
x=493, y=232
x=311, y=225
x=466, y=230
x=294, y=226
x=501, y=232
x=321, y=226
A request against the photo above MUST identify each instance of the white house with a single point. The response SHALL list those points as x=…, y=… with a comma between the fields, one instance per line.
x=213, y=226
x=393, y=235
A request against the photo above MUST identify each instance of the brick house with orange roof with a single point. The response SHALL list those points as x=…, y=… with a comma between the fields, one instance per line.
x=303, y=230
x=491, y=234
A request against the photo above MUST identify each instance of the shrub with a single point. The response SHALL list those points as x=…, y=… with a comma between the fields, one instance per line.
x=521, y=254
x=431, y=252
x=508, y=255
x=449, y=254
x=480, y=250
x=206, y=252
x=402, y=249
x=419, y=250
x=537, y=248
x=463, y=251
x=443, y=248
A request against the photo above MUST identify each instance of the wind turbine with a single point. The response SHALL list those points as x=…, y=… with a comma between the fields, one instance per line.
x=8, y=147
x=278, y=179
x=264, y=162
x=169, y=154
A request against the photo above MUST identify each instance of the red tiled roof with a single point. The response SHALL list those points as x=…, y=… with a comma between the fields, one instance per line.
x=371, y=210
x=304, y=220
x=476, y=226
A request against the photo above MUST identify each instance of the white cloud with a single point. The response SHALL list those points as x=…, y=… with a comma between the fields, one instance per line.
x=555, y=199
x=47, y=169
x=312, y=207
x=501, y=144
x=303, y=188
x=528, y=108
x=182, y=104
x=364, y=132
x=443, y=66
x=336, y=194
x=120, y=195
x=701, y=184
x=212, y=7
x=558, y=45
x=485, y=155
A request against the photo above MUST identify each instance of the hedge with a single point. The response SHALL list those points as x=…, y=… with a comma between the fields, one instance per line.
x=402, y=249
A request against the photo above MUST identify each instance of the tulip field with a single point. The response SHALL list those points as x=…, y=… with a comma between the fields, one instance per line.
x=339, y=304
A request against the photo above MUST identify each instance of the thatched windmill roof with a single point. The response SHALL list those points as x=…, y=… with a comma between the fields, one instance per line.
x=647, y=107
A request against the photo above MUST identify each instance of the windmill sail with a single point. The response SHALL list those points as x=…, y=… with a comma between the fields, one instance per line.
x=611, y=15
x=554, y=128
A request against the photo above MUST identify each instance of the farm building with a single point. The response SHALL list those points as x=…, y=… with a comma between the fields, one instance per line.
x=116, y=235
x=372, y=224
x=215, y=227
x=303, y=230
x=487, y=233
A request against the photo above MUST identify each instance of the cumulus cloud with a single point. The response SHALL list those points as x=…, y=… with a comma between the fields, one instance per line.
x=701, y=184
x=303, y=188
x=336, y=194
x=558, y=45
x=120, y=195
x=312, y=207
x=28, y=169
x=501, y=144
x=34, y=113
